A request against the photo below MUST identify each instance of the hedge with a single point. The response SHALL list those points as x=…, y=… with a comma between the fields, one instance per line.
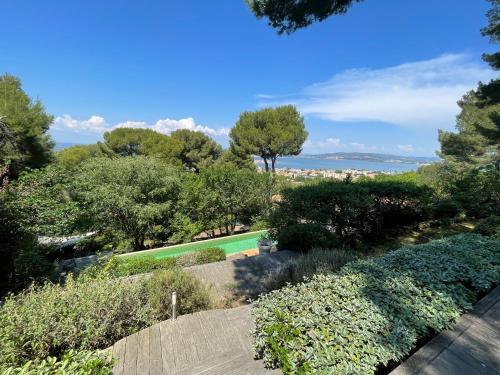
x=352, y=211
x=120, y=266
x=373, y=311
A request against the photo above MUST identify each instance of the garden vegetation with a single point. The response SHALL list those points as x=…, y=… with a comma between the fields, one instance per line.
x=373, y=312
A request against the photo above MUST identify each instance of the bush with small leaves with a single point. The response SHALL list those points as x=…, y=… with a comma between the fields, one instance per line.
x=192, y=294
x=85, y=313
x=126, y=266
x=72, y=362
x=373, y=311
x=213, y=254
x=304, y=237
x=489, y=226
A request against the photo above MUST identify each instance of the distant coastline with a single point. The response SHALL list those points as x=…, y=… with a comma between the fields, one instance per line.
x=339, y=161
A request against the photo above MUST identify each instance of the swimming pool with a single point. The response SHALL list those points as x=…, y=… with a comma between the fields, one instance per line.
x=230, y=245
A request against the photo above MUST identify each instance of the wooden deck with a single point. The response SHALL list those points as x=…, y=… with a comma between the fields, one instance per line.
x=211, y=342
x=239, y=274
x=214, y=342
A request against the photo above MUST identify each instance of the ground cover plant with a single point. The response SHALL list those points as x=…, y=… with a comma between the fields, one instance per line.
x=73, y=362
x=373, y=311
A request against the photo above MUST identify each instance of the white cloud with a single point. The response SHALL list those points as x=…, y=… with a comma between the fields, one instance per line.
x=414, y=95
x=166, y=126
x=406, y=148
x=95, y=124
x=334, y=142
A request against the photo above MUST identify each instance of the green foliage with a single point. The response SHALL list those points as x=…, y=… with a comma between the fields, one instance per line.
x=238, y=159
x=222, y=196
x=305, y=237
x=316, y=261
x=374, y=311
x=470, y=172
x=72, y=362
x=32, y=265
x=192, y=294
x=134, y=265
x=445, y=208
x=46, y=203
x=140, y=264
x=489, y=226
x=146, y=142
x=72, y=157
x=289, y=15
x=197, y=151
x=213, y=254
x=353, y=211
x=26, y=143
x=134, y=196
x=22, y=260
x=493, y=32
x=269, y=133
x=85, y=313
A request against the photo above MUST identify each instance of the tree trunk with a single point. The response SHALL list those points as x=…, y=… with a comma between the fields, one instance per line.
x=266, y=164
x=273, y=162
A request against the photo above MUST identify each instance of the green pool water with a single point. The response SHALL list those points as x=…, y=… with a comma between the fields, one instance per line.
x=230, y=245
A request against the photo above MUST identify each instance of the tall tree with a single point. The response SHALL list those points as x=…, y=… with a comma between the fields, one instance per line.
x=25, y=124
x=493, y=32
x=289, y=15
x=197, y=150
x=147, y=142
x=269, y=133
x=471, y=156
x=71, y=157
x=134, y=196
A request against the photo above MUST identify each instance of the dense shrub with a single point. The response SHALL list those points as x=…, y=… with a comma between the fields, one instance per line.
x=445, y=208
x=304, y=237
x=141, y=264
x=85, y=313
x=317, y=261
x=192, y=294
x=72, y=362
x=398, y=200
x=489, y=226
x=353, y=211
x=374, y=311
x=214, y=254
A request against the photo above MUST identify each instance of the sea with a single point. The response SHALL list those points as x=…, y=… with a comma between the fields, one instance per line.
x=298, y=162
x=342, y=164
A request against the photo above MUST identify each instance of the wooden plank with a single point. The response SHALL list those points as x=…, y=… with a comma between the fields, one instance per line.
x=155, y=360
x=119, y=356
x=131, y=351
x=143, y=366
x=167, y=356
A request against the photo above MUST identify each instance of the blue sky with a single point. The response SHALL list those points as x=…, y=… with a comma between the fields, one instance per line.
x=382, y=78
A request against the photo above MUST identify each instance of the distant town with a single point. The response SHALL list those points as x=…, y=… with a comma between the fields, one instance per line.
x=297, y=174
